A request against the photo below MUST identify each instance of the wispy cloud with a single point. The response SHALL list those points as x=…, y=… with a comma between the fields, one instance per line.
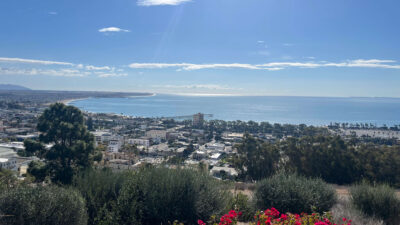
x=53, y=13
x=110, y=74
x=112, y=29
x=55, y=68
x=59, y=68
x=48, y=72
x=272, y=66
x=191, y=66
x=197, y=86
x=160, y=2
x=34, y=61
x=90, y=67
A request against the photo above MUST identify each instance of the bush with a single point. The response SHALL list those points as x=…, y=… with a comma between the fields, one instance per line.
x=379, y=201
x=159, y=195
x=293, y=193
x=42, y=205
x=101, y=189
x=240, y=202
x=274, y=217
x=344, y=208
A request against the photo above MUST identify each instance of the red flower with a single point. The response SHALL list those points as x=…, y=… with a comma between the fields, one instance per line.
x=200, y=222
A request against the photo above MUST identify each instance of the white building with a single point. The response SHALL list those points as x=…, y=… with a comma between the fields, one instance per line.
x=199, y=155
x=215, y=147
x=9, y=164
x=139, y=142
x=157, y=134
x=101, y=136
x=13, y=145
x=114, y=145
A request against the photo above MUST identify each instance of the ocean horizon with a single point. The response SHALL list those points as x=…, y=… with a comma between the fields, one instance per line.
x=317, y=111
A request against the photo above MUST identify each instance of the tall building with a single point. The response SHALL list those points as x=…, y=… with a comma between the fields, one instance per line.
x=198, y=119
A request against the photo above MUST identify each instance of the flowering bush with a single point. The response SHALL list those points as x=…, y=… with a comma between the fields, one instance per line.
x=227, y=219
x=274, y=217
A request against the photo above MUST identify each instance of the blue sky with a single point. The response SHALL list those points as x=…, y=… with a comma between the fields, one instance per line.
x=252, y=47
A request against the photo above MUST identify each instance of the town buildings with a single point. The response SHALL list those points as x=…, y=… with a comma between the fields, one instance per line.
x=198, y=119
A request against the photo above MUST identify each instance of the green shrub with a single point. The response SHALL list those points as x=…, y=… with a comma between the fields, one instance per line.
x=241, y=203
x=293, y=193
x=344, y=209
x=42, y=205
x=379, y=201
x=100, y=188
x=159, y=195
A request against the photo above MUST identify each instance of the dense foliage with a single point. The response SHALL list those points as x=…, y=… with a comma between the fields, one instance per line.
x=157, y=195
x=379, y=201
x=42, y=205
x=241, y=202
x=278, y=130
x=328, y=157
x=293, y=193
x=256, y=160
x=71, y=143
x=101, y=189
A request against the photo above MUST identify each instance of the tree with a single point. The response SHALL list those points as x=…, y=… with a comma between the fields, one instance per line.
x=62, y=127
x=89, y=123
x=256, y=160
x=7, y=179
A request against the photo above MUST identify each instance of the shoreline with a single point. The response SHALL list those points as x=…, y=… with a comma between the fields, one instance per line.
x=68, y=101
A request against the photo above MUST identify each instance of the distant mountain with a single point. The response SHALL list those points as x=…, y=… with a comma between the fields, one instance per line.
x=12, y=87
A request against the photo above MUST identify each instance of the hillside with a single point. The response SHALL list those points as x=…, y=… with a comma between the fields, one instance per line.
x=12, y=87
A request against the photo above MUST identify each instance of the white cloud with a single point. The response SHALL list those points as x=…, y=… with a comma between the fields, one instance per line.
x=112, y=29
x=197, y=86
x=272, y=66
x=219, y=66
x=156, y=65
x=53, y=13
x=112, y=75
x=33, y=61
x=160, y=2
x=48, y=72
x=260, y=42
x=191, y=66
x=58, y=72
x=89, y=67
x=48, y=68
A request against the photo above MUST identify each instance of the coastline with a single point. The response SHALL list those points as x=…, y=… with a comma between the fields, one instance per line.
x=68, y=101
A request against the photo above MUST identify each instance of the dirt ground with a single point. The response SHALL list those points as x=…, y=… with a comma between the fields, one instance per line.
x=248, y=189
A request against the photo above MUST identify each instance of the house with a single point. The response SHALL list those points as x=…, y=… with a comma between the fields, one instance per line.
x=9, y=164
x=199, y=155
x=114, y=145
x=223, y=171
x=156, y=135
x=215, y=147
x=139, y=142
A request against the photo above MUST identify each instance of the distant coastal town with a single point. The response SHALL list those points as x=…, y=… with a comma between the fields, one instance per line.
x=128, y=142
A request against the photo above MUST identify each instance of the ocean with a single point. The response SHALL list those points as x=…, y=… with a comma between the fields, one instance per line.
x=286, y=110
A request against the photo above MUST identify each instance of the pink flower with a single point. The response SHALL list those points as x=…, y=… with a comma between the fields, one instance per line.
x=200, y=222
